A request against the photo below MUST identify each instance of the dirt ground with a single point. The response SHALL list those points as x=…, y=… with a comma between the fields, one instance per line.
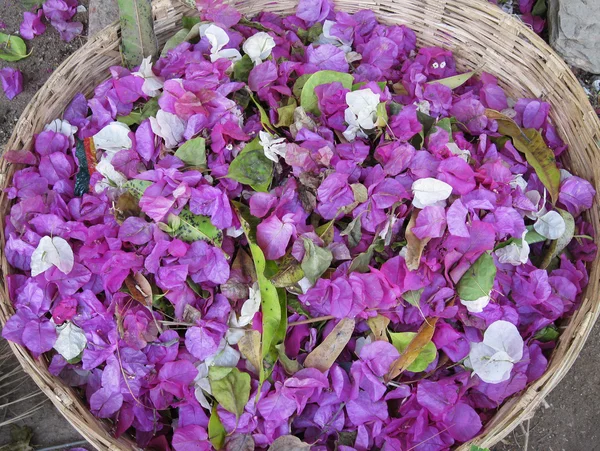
x=568, y=422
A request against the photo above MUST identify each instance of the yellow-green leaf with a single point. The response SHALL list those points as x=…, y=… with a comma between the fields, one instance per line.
x=454, y=81
x=531, y=143
x=286, y=115
x=193, y=152
x=216, y=431
x=270, y=303
x=174, y=41
x=478, y=280
x=12, y=48
x=308, y=98
x=230, y=387
x=412, y=350
x=426, y=355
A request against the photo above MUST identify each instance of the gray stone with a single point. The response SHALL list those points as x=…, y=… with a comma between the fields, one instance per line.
x=574, y=30
x=102, y=14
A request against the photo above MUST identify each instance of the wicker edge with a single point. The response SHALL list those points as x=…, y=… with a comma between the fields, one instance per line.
x=481, y=36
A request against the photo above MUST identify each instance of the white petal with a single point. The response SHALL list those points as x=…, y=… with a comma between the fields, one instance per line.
x=227, y=357
x=234, y=334
x=360, y=342
x=519, y=181
x=201, y=398
x=64, y=255
x=364, y=100
x=429, y=191
x=305, y=284
x=564, y=174
x=514, y=254
x=551, y=225
x=113, y=138
x=71, y=341
x=424, y=107
x=477, y=305
x=259, y=46
x=52, y=252
x=217, y=37
x=504, y=336
x=61, y=126
x=231, y=54
x=39, y=258
x=491, y=366
x=111, y=176
x=169, y=127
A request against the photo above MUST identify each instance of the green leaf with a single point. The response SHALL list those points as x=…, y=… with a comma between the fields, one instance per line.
x=477, y=448
x=230, y=387
x=242, y=68
x=251, y=167
x=455, y=81
x=357, y=86
x=308, y=98
x=12, y=48
x=401, y=340
x=540, y=8
x=82, y=179
x=193, y=152
x=20, y=439
x=30, y=4
x=361, y=261
x=286, y=115
x=190, y=227
x=562, y=242
x=478, y=281
x=531, y=143
x=413, y=297
x=353, y=231
x=149, y=109
x=548, y=333
x=270, y=303
x=316, y=260
x=299, y=85
x=264, y=116
x=196, y=227
x=314, y=32
x=189, y=21
x=289, y=366
x=216, y=431
x=174, y=41
x=289, y=274
x=137, y=31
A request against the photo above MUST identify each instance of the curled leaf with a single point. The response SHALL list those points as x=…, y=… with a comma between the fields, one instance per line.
x=324, y=355
x=414, y=245
x=12, y=48
x=413, y=349
x=426, y=355
x=531, y=143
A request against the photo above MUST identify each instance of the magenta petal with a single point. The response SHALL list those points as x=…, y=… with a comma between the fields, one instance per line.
x=273, y=236
x=12, y=82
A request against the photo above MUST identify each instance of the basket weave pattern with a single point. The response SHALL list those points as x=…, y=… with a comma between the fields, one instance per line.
x=481, y=36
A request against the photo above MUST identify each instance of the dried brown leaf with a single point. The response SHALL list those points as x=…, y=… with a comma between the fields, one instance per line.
x=414, y=245
x=410, y=354
x=323, y=356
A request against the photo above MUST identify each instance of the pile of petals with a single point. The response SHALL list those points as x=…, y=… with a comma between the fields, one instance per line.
x=59, y=13
x=296, y=228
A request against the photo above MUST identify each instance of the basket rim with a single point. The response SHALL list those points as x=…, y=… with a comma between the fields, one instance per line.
x=518, y=407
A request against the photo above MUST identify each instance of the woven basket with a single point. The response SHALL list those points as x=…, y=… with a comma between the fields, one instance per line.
x=481, y=36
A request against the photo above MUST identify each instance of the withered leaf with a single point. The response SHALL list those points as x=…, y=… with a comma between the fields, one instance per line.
x=324, y=355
